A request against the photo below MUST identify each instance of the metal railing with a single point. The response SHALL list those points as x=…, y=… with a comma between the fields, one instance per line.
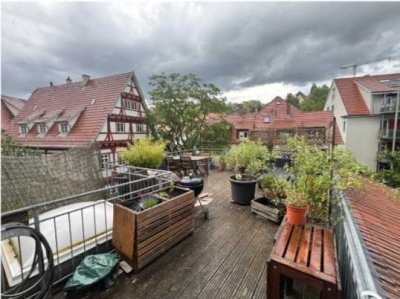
x=388, y=133
x=76, y=225
x=388, y=109
x=357, y=277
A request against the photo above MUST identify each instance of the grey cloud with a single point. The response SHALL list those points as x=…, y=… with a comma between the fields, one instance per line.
x=233, y=45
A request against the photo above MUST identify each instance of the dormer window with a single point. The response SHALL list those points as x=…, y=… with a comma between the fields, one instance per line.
x=267, y=119
x=64, y=127
x=42, y=128
x=23, y=129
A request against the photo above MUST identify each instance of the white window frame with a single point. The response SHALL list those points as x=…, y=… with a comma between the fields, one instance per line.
x=23, y=129
x=130, y=105
x=120, y=127
x=104, y=158
x=42, y=128
x=140, y=128
x=64, y=128
x=243, y=135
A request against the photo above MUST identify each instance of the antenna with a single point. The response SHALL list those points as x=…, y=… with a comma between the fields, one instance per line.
x=355, y=65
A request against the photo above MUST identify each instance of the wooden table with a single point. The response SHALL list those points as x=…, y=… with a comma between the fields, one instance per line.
x=197, y=160
x=305, y=254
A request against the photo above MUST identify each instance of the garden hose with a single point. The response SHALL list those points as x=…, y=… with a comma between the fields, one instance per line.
x=28, y=287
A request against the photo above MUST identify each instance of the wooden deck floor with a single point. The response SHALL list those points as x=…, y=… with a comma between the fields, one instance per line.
x=224, y=258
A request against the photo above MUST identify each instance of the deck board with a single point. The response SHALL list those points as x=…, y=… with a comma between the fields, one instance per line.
x=225, y=257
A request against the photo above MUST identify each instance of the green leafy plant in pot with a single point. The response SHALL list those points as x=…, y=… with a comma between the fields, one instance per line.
x=316, y=173
x=248, y=160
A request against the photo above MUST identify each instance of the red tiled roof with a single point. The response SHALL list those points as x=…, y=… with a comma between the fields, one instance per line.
x=70, y=97
x=10, y=107
x=338, y=136
x=376, y=209
x=351, y=95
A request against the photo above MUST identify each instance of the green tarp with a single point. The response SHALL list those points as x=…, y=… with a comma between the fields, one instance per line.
x=94, y=269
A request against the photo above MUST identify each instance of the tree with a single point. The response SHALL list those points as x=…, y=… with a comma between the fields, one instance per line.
x=251, y=106
x=181, y=105
x=316, y=99
x=217, y=135
x=292, y=99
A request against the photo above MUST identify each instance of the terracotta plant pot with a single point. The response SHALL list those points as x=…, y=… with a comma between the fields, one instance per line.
x=296, y=215
x=221, y=166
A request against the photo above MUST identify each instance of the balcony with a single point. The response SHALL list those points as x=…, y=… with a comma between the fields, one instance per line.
x=388, y=109
x=388, y=134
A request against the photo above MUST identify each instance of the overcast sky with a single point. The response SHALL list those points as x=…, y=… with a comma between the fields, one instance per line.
x=250, y=50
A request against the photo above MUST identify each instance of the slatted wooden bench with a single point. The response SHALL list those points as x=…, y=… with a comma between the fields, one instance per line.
x=305, y=254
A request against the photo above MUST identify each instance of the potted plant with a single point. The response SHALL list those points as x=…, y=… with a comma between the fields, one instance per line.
x=221, y=163
x=315, y=174
x=248, y=160
x=271, y=205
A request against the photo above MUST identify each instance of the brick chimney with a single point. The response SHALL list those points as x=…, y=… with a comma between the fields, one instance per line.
x=85, y=79
x=68, y=80
x=288, y=107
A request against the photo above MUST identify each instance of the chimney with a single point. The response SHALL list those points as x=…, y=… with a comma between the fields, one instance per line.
x=68, y=80
x=288, y=107
x=51, y=83
x=85, y=79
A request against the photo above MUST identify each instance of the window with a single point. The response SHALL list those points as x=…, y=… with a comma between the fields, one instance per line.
x=120, y=127
x=42, y=128
x=332, y=108
x=243, y=135
x=267, y=119
x=64, y=127
x=23, y=129
x=105, y=158
x=344, y=126
x=130, y=105
x=140, y=128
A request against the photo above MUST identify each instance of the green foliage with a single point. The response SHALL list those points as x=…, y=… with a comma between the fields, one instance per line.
x=144, y=153
x=274, y=188
x=171, y=187
x=181, y=105
x=216, y=135
x=149, y=203
x=11, y=148
x=390, y=176
x=316, y=99
x=316, y=173
x=163, y=194
x=249, y=157
x=252, y=106
x=292, y=99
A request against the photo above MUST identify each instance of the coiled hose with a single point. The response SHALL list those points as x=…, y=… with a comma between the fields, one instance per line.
x=28, y=287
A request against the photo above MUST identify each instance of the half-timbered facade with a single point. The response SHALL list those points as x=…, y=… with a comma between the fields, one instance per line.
x=109, y=111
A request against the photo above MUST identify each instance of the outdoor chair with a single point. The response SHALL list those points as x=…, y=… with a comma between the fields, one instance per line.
x=174, y=166
x=187, y=165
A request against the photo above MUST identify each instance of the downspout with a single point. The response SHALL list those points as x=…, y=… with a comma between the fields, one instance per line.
x=395, y=122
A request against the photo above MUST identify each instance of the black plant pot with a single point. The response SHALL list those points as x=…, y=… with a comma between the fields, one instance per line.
x=242, y=191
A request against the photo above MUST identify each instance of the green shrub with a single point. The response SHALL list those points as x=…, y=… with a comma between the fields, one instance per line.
x=149, y=203
x=249, y=158
x=145, y=153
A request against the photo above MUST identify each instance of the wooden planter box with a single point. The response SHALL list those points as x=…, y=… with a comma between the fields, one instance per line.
x=265, y=208
x=140, y=237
